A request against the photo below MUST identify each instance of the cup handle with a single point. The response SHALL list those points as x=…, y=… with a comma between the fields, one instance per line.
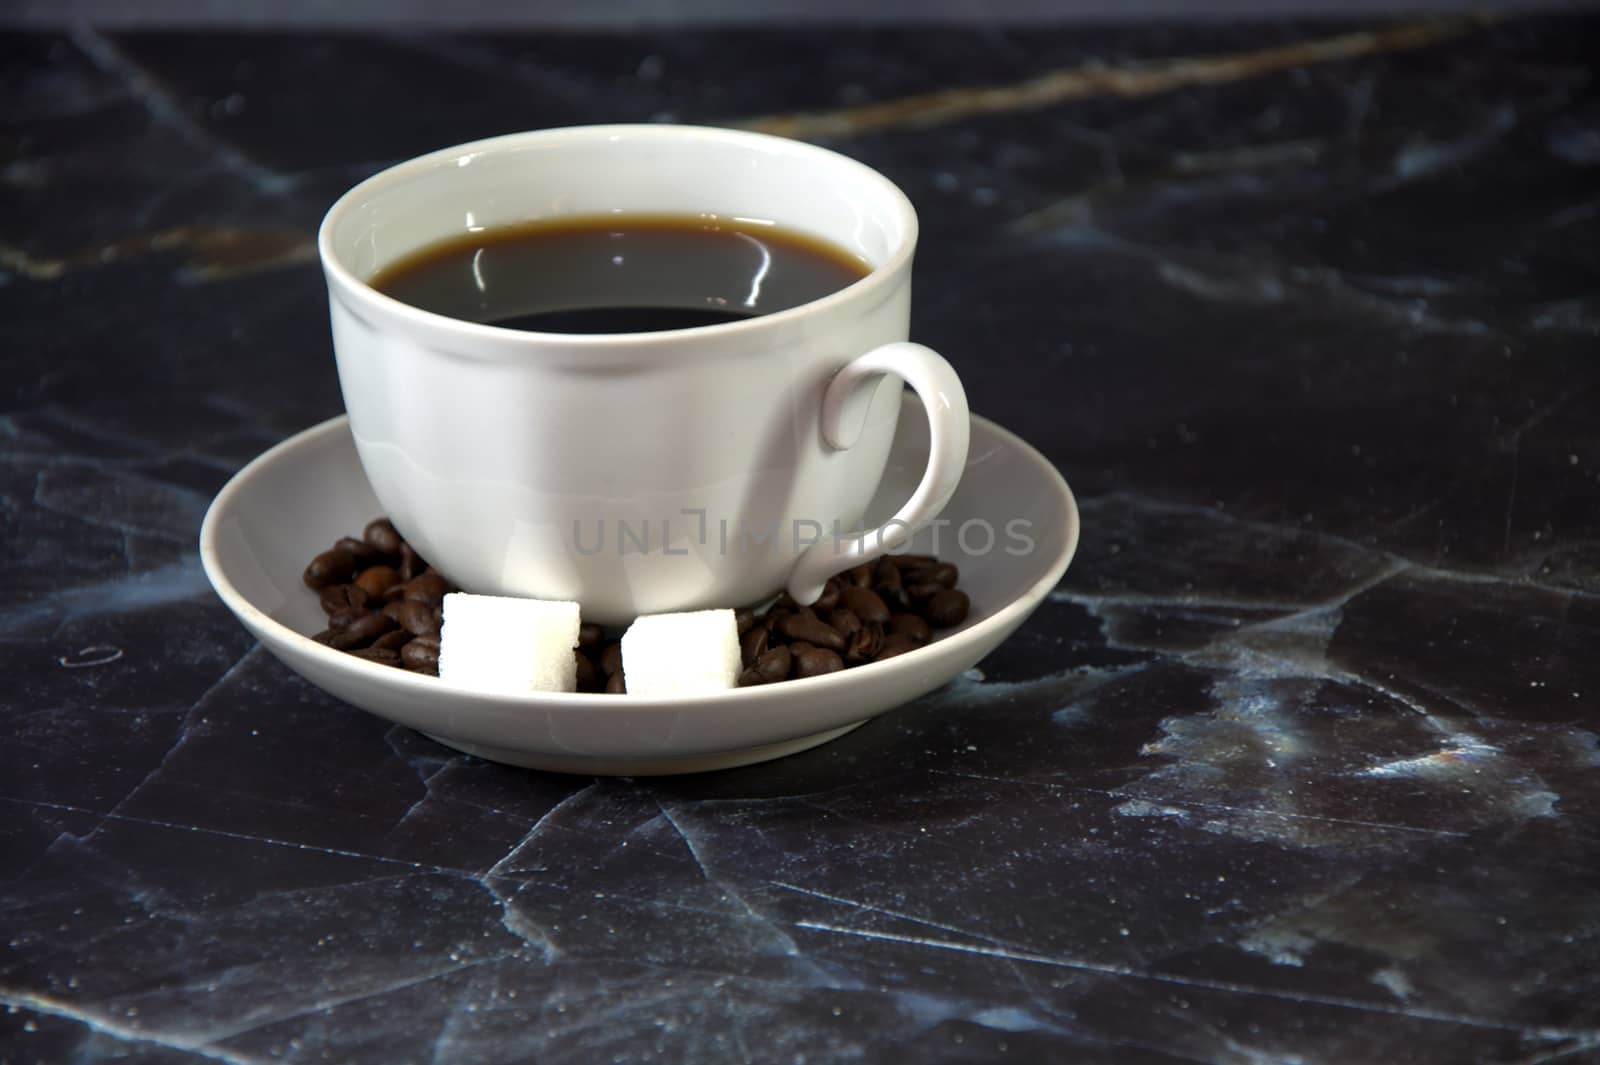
x=843, y=416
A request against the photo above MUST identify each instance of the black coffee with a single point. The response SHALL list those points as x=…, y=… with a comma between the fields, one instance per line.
x=620, y=273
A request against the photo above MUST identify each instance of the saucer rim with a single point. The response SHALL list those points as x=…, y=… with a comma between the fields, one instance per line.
x=387, y=676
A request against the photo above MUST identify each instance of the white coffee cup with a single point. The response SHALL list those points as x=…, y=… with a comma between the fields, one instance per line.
x=638, y=472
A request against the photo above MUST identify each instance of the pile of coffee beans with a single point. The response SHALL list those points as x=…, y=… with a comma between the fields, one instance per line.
x=381, y=598
x=599, y=662
x=383, y=603
x=867, y=614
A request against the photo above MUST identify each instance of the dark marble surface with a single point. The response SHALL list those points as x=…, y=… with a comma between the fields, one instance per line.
x=1298, y=765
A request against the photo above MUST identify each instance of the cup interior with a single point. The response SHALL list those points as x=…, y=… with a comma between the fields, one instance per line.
x=596, y=170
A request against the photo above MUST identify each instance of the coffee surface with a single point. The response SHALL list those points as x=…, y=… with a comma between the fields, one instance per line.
x=620, y=273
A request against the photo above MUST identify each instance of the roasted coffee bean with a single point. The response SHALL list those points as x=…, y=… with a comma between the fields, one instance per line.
x=770, y=619
x=947, y=608
x=384, y=656
x=815, y=661
x=797, y=646
x=844, y=621
x=364, y=553
x=382, y=535
x=867, y=604
x=411, y=563
x=588, y=676
x=923, y=590
x=812, y=630
x=886, y=573
x=589, y=635
x=894, y=597
x=392, y=641
x=864, y=644
x=343, y=597
x=895, y=645
x=611, y=659
x=361, y=632
x=859, y=577
x=324, y=637
x=830, y=594
x=375, y=580
x=422, y=654
x=340, y=620
x=945, y=573
x=776, y=663
x=616, y=684
x=329, y=568
x=909, y=625
x=743, y=619
x=428, y=588
x=753, y=644
x=414, y=617
x=772, y=666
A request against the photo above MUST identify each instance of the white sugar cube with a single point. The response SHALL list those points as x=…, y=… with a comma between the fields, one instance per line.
x=500, y=644
x=681, y=654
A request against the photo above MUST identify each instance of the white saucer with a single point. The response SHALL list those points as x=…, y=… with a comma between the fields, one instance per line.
x=302, y=495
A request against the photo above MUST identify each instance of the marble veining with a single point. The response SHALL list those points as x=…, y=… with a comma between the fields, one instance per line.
x=1298, y=764
x=1097, y=78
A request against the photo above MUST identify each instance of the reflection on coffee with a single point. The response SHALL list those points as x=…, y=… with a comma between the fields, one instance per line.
x=620, y=273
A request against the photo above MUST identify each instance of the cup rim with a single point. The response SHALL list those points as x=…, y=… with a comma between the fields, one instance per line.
x=870, y=288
